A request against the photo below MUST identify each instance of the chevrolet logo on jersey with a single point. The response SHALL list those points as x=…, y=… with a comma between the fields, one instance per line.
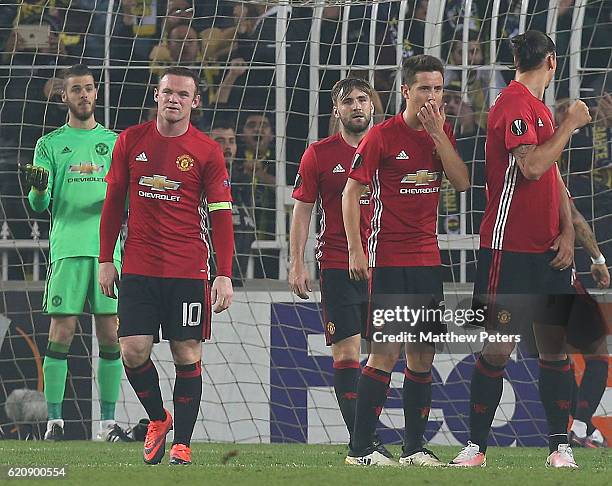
x=86, y=168
x=421, y=177
x=159, y=183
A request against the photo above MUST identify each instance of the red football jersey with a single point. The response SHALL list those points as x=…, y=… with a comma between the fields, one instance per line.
x=404, y=172
x=322, y=175
x=170, y=181
x=521, y=215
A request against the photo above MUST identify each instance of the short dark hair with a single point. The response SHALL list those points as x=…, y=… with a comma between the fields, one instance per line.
x=182, y=71
x=530, y=49
x=343, y=88
x=422, y=63
x=223, y=123
x=77, y=70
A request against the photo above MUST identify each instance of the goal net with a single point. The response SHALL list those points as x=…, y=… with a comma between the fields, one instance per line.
x=266, y=74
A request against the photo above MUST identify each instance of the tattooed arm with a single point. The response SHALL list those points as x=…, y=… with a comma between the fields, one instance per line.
x=586, y=238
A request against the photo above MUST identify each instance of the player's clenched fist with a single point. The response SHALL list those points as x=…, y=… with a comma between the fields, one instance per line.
x=578, y=114
x=35, y=176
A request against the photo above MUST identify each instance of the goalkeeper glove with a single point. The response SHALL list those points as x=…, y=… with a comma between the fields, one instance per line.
x=36, y=176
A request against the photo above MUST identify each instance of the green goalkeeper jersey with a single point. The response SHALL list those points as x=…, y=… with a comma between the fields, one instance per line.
x=77, y=161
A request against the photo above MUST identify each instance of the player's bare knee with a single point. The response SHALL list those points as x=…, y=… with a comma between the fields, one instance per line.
x=497, y=354
x=420, y=362
x=347, y=350
x=186, y=352
x=62, y=329
x=383, y=359
x=106, y=329
x=135, y=350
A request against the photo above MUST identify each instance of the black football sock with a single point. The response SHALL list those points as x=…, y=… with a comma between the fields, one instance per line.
x=417, y=402
x=485, y=394
x=371, y=396
x=591, y=389
x=187, y=396
x=346, y=377
x=145, y=382
x=556, y=394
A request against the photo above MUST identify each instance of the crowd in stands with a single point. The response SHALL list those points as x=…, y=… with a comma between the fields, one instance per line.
x=232, y=44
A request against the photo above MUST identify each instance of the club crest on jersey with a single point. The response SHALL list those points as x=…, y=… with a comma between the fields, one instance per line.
x=518, y=127
x=159, y=183
x=357, y=161
x=504, y=316
x=101, y=148
x=85, y=168
x=184, y=162
x=331, y=328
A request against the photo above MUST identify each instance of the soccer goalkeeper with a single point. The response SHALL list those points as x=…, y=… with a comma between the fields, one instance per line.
x=69, y=168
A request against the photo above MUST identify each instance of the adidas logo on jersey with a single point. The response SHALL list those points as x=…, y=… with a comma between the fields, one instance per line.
x=338, y=169
x=66, y=150
x=402, y=156
x=540, y=123
x=142, y=157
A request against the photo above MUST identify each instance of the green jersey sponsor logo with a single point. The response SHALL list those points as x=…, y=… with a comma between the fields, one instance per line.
x=86, y=168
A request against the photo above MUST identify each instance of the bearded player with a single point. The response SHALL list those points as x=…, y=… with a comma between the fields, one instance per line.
x=69, y=168
x=322, y=175
x=526, y=247
x=172, y=172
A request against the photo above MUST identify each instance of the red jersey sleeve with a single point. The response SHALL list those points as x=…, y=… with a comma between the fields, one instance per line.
x=520, y=125
x=119, y=172
x=215, y=178
x=367, y=157
x=306, y=187
x=117, y=180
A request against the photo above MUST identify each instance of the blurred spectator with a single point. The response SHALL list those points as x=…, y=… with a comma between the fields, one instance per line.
x=224, y=134
x=470, y=145
x=32, y=10
x=412, y=45
x=23, y=107
x=586, y=165
x=454, y=17
x=254, y=90
x=136, y=29
x=257, y=153
x=182, y=47
x=77, y=28
x=479, y=88
x=179, y=12
x=256, y=165
x=589, y=151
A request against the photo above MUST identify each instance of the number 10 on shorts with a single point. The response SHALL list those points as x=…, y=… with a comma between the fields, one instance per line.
x=192, y=313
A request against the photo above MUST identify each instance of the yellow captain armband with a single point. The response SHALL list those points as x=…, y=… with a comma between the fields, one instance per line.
x=219, y=205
